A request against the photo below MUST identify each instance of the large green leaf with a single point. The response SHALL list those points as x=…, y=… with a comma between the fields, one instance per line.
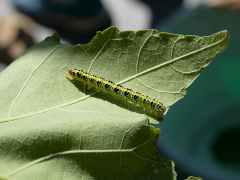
x=52, y=128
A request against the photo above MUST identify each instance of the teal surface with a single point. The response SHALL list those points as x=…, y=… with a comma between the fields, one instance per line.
x=192, y=128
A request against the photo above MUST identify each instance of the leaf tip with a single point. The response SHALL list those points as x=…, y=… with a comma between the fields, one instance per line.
x=227, y=33
x=54, y=37
x=110, y=29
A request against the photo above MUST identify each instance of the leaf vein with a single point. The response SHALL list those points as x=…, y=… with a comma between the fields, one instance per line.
x=24, y=85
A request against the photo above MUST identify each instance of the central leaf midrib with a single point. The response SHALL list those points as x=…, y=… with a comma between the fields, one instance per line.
x=123, y=81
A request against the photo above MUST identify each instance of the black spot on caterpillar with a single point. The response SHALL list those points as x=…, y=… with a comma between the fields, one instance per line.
x=114, y=89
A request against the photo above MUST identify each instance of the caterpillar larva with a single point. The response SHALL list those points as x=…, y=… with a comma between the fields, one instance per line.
x=116, y=89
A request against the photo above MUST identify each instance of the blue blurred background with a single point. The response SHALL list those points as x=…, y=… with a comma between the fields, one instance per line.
x=201, y=132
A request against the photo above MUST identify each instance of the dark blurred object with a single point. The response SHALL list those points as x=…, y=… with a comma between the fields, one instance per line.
x=15, y=36
x=224, y=144
x=161, y=9
x=75, y=20
x=193, y=129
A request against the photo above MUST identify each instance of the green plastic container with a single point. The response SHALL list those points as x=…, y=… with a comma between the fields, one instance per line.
x=201, y=132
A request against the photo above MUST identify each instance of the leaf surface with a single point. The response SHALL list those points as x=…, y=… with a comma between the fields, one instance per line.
x=194, y=178
x=52, y=128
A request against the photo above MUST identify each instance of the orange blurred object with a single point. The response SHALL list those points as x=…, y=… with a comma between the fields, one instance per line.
x=15, y=36
x=233, y=5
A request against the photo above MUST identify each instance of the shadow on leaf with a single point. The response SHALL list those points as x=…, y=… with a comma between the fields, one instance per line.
x=115, y=99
